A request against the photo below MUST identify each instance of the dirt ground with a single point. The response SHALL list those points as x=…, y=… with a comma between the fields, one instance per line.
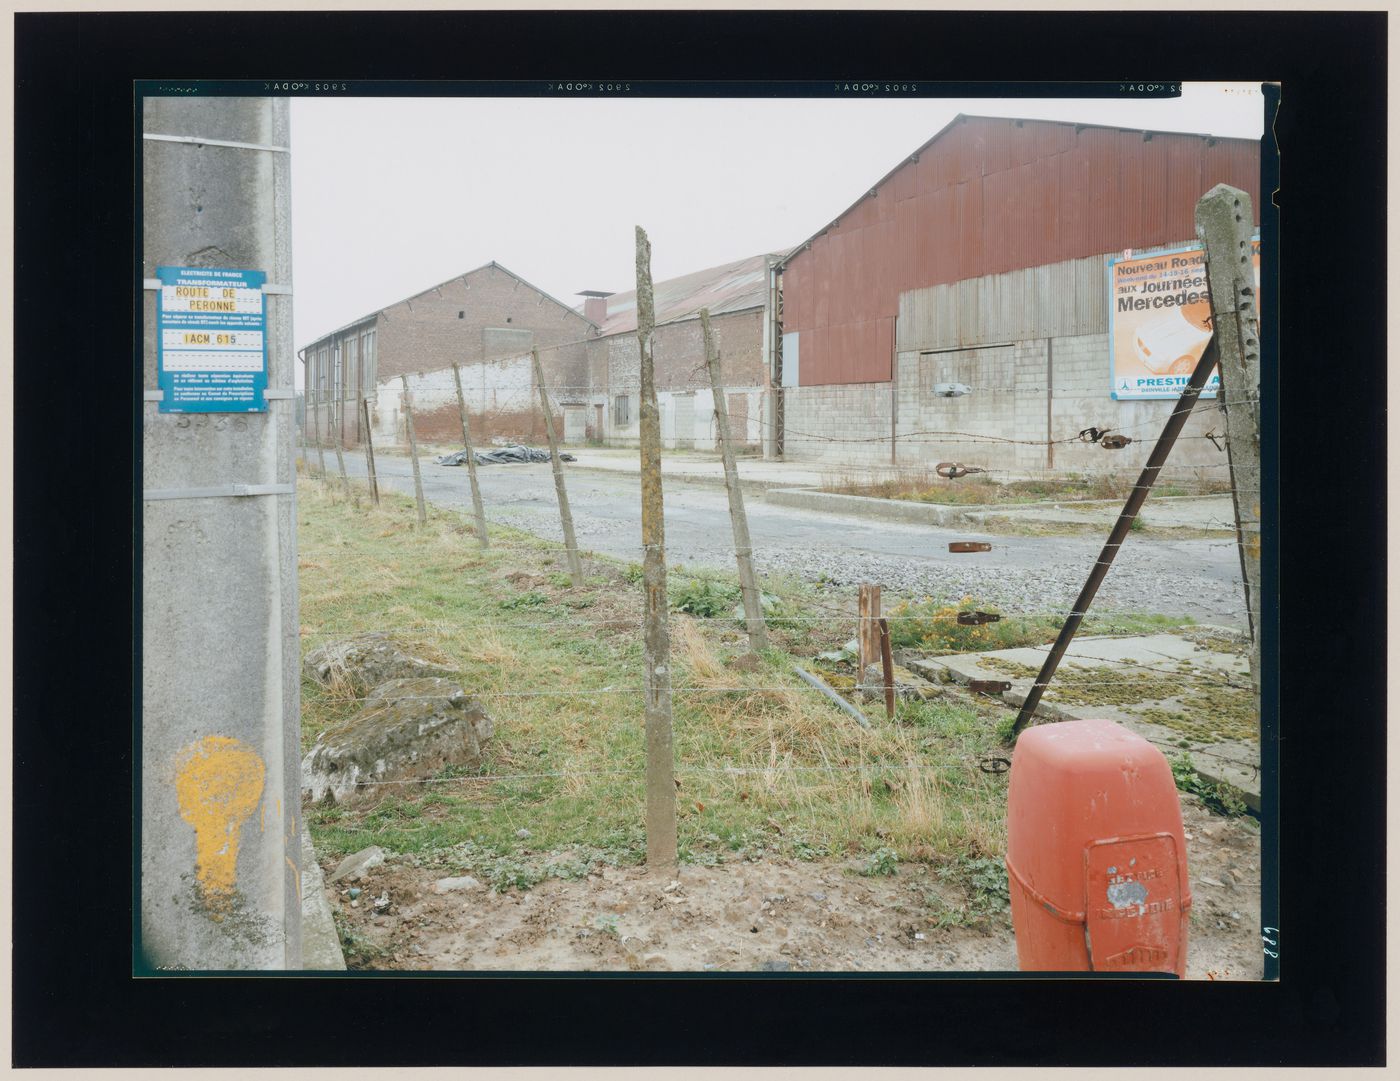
x=774, y=915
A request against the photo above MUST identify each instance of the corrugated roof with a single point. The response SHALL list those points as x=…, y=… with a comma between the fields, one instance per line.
x=733, y=287
x=962, y=118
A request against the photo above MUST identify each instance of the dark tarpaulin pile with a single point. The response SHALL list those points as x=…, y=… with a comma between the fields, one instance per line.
x=502, y=456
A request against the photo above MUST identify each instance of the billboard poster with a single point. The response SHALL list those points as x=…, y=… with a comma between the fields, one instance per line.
x=1159, y=322
x=211, y=331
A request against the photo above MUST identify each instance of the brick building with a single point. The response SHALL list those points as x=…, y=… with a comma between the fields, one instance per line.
x=738, y=296
x=485, y=320
x=984, y=259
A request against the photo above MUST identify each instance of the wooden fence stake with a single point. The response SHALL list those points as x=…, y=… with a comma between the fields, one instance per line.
x=661, y=762
x=743, y=546
x=478, y=511
x=316, y=426
x=369, y=452
x=869, y=635
x=887, y=666
x=566, y=519
x=413, y=450
x=1225, y=225
x=340, y=456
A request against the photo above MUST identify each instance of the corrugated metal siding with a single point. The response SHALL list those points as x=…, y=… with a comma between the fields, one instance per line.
x=1052, y=301
x=989, y=198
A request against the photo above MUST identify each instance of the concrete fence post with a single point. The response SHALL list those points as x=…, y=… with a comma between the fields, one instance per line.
x=869, y=634
x=219, y=781
x=661, y=762
x=566, y=518
x=1225, y=226
x=316, y=427
x=340, y=455
x=369, y=452
x=478, y=510
x=413, y=451
x=743, y=546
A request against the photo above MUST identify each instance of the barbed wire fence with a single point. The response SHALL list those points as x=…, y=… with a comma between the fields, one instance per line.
x=510, y=406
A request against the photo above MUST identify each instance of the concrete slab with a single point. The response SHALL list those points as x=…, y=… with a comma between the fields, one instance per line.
x=320, y=944
x=1165, y=512
x=1160, y=658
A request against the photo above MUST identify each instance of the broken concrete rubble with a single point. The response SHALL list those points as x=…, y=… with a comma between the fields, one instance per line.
x=408, y=729
x=364, y=661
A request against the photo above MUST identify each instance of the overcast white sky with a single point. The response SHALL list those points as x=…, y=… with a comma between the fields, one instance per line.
x=392, y=196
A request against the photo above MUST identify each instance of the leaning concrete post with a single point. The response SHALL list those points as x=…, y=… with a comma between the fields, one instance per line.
x=478, y=511
x=743, y=546
x=566, y=519
x=1225, y=226
x=661, y=785
x=413, y=450
x=369, y=452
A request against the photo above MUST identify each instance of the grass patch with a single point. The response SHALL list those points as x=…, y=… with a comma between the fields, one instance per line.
x=1222, y=798
x=766, y=766
x=931, y=625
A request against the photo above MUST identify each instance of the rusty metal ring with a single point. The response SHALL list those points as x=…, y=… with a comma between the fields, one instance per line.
x=951, y=470
x=994, y=764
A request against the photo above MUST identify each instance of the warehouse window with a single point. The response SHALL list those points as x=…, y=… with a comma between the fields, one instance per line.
x=622, y=411
x=367, y=354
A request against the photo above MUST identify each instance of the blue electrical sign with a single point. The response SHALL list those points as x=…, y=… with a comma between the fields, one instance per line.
x=211, y=330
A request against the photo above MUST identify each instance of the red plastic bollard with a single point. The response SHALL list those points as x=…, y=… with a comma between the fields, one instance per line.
x=1095, y=852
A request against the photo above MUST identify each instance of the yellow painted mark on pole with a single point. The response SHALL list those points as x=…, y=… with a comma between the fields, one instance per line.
x=219, y=782
x=296, y=876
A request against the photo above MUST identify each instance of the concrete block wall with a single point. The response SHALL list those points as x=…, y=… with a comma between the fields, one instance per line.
x=1002, y=424
x=840, y=425
x=678, y=356
x=703, y=432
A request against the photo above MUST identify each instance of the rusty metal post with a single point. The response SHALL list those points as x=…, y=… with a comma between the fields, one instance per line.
x=869, y=633
x=413, y=450
x=661, y=762
x=369, y=452
x=1119, y=533
x=478, y=511
x=566, y=518
x=887, y=666
x=743, y=545
x=1225, y=226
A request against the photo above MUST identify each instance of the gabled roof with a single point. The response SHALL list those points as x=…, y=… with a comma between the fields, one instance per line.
x=456, y=277
x=733, y=287
x=964, y=117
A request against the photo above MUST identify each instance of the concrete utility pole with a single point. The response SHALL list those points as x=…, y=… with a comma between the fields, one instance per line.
x=413, y=450
x=1225, y=226
x=220, y=784
x=478, y=511
x=743, y=546
x=566, y=518
x=661, y=758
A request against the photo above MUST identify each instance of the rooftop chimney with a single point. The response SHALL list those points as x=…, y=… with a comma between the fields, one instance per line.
x=595, y=305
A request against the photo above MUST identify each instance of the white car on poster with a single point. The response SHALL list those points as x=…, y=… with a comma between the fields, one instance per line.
x=1170, y=345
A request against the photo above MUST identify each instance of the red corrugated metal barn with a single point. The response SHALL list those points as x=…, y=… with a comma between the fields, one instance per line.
x=983, y=199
